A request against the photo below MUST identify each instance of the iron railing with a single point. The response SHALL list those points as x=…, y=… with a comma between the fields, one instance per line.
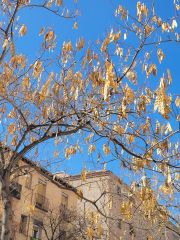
x=41, y=202
x=15, y=189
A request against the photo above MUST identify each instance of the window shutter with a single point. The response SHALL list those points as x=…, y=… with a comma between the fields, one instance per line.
x=63, y=200
x=40, y=191
x=35, y=229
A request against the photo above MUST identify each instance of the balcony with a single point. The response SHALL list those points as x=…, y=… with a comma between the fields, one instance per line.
x=15, y=189
x=41, y=202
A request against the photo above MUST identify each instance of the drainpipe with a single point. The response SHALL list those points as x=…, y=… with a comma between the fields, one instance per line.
x=29, y=217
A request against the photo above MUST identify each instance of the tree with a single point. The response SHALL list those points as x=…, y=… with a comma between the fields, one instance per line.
x=58, y=222
x=61, y=222
x=97, y=98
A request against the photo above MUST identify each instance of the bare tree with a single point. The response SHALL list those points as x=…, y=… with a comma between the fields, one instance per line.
x=62, y=223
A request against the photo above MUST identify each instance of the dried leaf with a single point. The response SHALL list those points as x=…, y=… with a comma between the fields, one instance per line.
x=60, y=3
x=99, y=230
x=162, y=128
x=157, y=127
x=169, y=78
x=177, y=177
x=177, y=35
x=99, y=155
x=87, y=213
x=36, y=152
x=90, y=233
x=123, y=14
x=168, y=128
x=23, y=30
x=160, y=55
x=84, y=174
x=75, y=26
x=177, y=6
x=14, y=140
x=67, y=14
x=12, y=46
x=42, y=31
x=5, y=45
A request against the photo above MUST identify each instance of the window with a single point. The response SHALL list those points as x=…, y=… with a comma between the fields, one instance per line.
x=40, y=193
x=118, y=190
x=36, y=230
x=119, y=223
x=64, y=199
x=14, y=186
x=28, y=180
x=22, y=228
x=131, y=230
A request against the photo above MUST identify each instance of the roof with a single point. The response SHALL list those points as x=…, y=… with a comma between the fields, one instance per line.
x=50, y=176
x=95, y=174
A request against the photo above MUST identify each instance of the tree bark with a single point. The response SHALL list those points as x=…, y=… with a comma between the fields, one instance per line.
x=6, y=207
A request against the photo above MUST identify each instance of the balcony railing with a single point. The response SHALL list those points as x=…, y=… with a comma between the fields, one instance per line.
x=41, y=202
x=15, y=189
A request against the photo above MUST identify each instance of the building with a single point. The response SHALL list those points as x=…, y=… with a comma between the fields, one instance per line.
x=122, y=211
x=38, y=198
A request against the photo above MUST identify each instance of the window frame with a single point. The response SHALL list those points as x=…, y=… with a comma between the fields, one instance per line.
x=23, y=223
x=37, y=225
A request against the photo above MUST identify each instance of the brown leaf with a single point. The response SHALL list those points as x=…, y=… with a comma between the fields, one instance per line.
x=169, y=78
x=23, y=30
x=75, y=26
x=12, y=46
x=42, y=31
x=5, y=45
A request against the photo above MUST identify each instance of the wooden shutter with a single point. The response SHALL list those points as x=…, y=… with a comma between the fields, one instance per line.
x=64, y=200
x=40, y=191
x=35, y=229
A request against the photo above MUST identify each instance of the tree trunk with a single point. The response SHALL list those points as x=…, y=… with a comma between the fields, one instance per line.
x=6, y=207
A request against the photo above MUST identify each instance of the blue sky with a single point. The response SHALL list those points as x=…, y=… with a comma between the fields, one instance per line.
x=96, y=17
